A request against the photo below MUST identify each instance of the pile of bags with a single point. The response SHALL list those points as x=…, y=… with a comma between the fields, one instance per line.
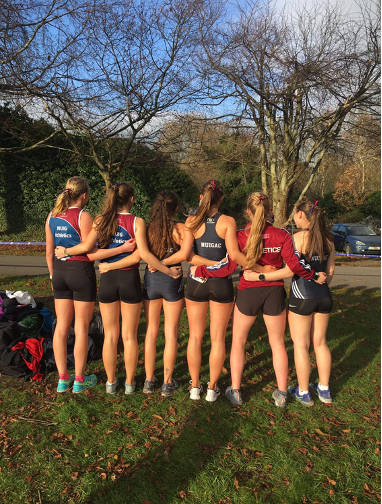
x=26, y=337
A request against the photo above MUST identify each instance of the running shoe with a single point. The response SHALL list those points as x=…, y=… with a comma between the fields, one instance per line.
x=212, y=394
x=169, y=388
x=89, y=381
x=324, y=395
x=111, y=388
x=304, y=399
x=234, y=396
x=195, y=392
x=149, y=386
x=129, y=389
x=64, y=385
x=279, y=398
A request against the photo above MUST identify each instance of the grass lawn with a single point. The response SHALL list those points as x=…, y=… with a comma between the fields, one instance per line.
x=94, y=448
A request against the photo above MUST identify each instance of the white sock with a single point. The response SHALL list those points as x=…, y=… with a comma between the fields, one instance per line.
x=112, y=383
x=323, y=387
x=302, y=392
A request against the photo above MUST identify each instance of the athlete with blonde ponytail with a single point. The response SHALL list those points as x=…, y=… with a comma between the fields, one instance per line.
x=215, y=235
x=117, y=232
x=73, y=282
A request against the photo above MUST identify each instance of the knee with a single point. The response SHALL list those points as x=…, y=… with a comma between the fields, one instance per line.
x=319, y=341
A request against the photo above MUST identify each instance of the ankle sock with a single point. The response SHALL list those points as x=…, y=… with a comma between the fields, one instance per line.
x=80, y=378
x=323, y=387
x=64, y=376
x=302, y=392
x=108, y=383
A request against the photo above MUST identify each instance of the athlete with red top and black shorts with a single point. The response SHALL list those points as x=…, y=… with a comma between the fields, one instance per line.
x=263, y=245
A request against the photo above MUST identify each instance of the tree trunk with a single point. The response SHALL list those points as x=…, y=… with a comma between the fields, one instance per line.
x=280, y=205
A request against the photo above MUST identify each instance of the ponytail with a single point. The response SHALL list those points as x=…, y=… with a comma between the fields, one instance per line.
x=212, y=192
x=161, y=225
x=75, y=186
x=258, y=204
x=106, y=223
x=319, y=237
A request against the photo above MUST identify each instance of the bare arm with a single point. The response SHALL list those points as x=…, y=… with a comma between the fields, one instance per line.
x=187, y=240
x=126, y=262
x=49, y=251
x=330, y=266
x=232, y=245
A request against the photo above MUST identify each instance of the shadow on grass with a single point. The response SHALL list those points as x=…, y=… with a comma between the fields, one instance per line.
x=166, y=473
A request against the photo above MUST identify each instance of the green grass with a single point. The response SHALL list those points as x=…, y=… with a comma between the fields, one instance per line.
x=147, y=449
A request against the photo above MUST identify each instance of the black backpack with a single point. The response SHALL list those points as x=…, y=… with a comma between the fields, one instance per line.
x=11, y=361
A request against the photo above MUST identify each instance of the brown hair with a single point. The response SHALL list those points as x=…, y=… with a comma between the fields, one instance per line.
x=319, y=237
x=161, y=225
x=107, y=223
x=258, y=204
x=212, y=192
x=75, y=186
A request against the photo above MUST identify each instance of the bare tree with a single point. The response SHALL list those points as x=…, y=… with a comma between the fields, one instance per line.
x=296, y=75
x=39, y=39
x=136, y=65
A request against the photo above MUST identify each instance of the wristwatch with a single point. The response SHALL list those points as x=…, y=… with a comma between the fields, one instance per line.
x=315, y=276
x=261, y=277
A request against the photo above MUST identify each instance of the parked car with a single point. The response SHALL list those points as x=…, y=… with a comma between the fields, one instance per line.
x=356, y=239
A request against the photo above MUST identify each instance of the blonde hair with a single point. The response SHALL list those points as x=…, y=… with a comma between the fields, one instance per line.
x=75, y=186
x=259, y=205
x=212, y=192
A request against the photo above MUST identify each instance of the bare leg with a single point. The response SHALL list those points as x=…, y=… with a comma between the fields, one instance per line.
x=172, y=313
x=64, y=312
x=130, y=321
x=241, y=326
x=300, y=327
x=152, y=313
x=321, y=349
x=196, y=313
x=110, y=318
x=220, y=314
x=83, y=312
x=276, y=329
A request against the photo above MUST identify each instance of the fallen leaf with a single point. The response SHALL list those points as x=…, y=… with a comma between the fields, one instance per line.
x=332, y=482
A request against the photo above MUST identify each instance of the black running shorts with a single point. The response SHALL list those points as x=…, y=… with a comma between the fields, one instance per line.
x=219, y=290
x=120, y=285
x=158, y=285
x=268, y=300
x=74, y=280
x=309, y=306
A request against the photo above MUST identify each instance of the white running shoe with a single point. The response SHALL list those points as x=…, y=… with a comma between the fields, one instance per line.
x=212, y=395
x=195, y=392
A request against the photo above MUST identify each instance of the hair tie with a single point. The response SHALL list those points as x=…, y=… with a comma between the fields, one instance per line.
x=262, y=197
x=115, y=186
x=69, y=191
x=213, y=185
x=313, y=207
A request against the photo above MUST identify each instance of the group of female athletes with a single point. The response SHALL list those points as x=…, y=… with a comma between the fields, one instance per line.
x=209, y=240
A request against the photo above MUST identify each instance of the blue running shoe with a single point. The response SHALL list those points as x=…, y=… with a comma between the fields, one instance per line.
x=64, y=385
x=130, y=389
x=89, y=381
x=111, y=388
x=169, y=388
x=149, y=386
x=324, y=395
x=304, y=399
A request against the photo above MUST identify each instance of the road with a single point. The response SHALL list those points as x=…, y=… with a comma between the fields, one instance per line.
x=345, y=276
